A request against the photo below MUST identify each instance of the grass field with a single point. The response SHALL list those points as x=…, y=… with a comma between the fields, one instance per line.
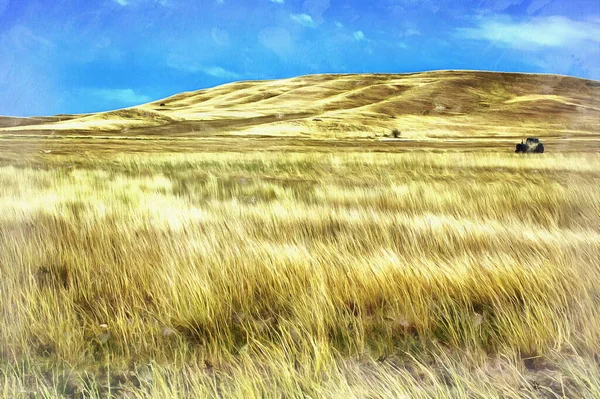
x=298, y=273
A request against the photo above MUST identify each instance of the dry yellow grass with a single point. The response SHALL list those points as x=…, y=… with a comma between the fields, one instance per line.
x=300, y=275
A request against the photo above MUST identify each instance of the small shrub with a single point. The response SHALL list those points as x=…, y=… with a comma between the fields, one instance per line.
x=396, y=133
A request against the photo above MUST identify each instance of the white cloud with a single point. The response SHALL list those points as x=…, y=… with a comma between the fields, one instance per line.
x=555, y=31
x=220, y=36
x=219, y=72
x=359, y=35
x=121, y=96
x=316, y=9
x=278, y=1
x=303, y=19
x=339, y=25
x=276, y=39
x=411, y=32
x=122, y=2
x=21, y=38
x=185, y=63
x=220, y=1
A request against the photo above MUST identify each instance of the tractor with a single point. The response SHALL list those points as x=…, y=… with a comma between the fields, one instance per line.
x=532, y=144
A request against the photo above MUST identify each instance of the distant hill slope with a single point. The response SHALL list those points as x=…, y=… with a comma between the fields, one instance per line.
x=430, y=104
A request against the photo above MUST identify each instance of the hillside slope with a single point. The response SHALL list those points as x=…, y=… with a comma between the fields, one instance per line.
x=430, y=104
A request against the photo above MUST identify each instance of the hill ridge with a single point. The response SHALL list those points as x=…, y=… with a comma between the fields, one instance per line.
x=448, y=103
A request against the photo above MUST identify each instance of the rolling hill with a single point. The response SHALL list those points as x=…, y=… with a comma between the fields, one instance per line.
x=440, y=104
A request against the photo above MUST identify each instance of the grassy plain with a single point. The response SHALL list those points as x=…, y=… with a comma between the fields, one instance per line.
x=270, y=239
x=299, y=273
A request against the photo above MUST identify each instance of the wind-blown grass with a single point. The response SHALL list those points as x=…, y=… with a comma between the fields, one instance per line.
x=270, y=275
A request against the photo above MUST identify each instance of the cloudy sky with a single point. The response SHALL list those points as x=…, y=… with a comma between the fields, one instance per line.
x=76, y=56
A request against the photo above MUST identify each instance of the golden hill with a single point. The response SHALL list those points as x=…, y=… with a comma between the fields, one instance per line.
x=442, y=104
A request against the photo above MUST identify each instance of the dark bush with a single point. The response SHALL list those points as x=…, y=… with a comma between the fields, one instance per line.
x=396, y=133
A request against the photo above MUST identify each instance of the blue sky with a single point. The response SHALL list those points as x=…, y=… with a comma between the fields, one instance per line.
x=77, y=56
